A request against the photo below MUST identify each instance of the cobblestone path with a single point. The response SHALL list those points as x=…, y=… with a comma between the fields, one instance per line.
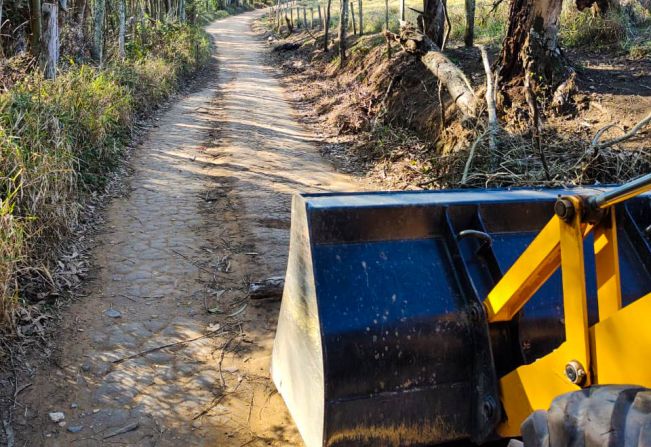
x=166, y=349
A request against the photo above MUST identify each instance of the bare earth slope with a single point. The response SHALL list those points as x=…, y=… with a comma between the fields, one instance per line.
x=208, y=210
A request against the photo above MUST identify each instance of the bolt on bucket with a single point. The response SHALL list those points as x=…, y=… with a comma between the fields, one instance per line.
x=382, y=338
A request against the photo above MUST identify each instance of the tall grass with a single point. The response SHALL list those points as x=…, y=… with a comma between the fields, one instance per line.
x=60, y=139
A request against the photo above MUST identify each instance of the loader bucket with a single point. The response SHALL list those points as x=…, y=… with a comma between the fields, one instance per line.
x=382, y=338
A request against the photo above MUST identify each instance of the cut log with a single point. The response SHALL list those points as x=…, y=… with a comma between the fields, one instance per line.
x=267, y=289
x=454, y=80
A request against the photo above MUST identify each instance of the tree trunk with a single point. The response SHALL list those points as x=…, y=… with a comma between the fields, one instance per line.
x=320, y=16
x=182, y=10
x=311, y=17
x=532, y=41
x=37, y=26
x=386, y=26
x=327, y=26
x=2, y=53
x=50, y=53
x=305, y=17
x=278, y=8
x=361, y=17
x=98, y=36
x=343, y=23
x=352, y=18
x=433, y=21
x=469, y=34
x=402, y=10
x=122, y=29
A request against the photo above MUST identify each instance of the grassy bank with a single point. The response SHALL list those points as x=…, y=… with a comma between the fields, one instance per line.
x=60, y=140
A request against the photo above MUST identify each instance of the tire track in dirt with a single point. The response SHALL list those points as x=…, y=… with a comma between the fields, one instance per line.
x=208, y=211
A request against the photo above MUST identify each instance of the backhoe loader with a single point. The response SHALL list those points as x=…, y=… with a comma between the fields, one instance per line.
x=422, y=318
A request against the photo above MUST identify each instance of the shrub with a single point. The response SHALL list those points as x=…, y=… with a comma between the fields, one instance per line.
x=60, y=139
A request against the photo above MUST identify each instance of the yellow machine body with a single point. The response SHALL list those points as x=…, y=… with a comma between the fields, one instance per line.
x=610, y=352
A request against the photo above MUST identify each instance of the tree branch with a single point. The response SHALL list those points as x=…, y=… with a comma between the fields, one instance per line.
x=626, y=136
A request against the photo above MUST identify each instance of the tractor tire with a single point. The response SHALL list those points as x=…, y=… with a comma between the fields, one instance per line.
x=611, y=415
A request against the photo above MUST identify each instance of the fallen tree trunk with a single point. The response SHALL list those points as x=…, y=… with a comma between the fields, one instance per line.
x=454, y=80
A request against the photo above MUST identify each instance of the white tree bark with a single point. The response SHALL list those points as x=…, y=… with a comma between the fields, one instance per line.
x=98, y=36
x=122, y=29
x=402, y=10
x=50, y=55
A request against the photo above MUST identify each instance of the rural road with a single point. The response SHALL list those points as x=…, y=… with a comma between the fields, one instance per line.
x=166, y=349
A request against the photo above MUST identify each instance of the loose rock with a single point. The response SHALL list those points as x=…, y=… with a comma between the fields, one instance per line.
x=57, y=416
x=112, y=313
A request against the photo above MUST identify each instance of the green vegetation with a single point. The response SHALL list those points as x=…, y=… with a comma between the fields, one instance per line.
x=629, y=27
x=60, y=139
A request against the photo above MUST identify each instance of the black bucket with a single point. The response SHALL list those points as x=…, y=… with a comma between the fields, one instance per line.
x=382, y=338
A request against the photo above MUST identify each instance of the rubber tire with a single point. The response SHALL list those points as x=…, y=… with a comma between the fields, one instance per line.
x=612, y=416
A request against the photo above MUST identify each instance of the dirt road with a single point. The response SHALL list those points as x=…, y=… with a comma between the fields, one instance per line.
x=208, y=210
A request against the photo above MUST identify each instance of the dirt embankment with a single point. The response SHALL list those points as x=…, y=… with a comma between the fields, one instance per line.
x=382, y=117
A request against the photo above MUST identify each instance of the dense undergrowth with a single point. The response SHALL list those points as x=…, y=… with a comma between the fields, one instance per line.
x=60, y=140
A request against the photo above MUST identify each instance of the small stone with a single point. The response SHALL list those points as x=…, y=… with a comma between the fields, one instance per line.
x=73, y=405
x=57, y=416
x=75, y=428
x=62, y=424
x=95, y=410
x=112, y=313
